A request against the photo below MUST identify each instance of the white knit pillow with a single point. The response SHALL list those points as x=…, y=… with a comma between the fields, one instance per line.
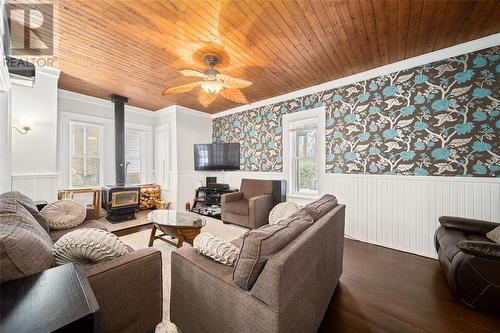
x=215, y=248
x=494, y=235
x=88, y=246
x=64, y=214
x=281, y=211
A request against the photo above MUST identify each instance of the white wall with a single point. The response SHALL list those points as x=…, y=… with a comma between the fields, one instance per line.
x=34, y=155
x=186, y=127
x=82, y=108
x=5, y=144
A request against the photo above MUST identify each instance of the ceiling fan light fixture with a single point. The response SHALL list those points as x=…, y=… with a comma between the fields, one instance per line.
x=212, y=87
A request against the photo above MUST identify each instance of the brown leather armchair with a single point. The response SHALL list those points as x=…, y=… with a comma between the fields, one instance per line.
x=470, y=260
x=251, y=206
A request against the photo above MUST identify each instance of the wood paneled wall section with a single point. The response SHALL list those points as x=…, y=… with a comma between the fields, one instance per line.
x=135, y=48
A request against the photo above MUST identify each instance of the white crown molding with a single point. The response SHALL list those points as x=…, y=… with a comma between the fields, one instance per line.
x=101, y=102
x=181, y=109
x=453, y=51
x=49, y=71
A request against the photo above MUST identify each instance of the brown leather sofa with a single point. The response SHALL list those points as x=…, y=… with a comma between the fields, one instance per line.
x=251, y=206
x=470, y=260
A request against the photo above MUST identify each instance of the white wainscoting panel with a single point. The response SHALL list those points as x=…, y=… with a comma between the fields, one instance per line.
x=400, y=212
x=37, y=186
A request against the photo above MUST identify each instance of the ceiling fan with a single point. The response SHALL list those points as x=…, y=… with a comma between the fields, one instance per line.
x=212, y=84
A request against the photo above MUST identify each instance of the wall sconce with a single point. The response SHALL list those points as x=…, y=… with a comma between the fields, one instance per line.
x=26, y=126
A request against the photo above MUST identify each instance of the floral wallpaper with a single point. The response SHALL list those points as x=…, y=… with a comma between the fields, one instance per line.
x=442, y=118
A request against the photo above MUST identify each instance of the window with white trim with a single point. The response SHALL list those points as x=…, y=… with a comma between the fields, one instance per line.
x=304, y=156
x=134, y=155
x=86, y=155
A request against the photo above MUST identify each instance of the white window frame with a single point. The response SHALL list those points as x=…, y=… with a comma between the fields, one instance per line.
x=72, y=124
x=143, y=150
x=289, y=162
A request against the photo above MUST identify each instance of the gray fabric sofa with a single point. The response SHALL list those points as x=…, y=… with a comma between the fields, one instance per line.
x=128, y=288
x=291, y=293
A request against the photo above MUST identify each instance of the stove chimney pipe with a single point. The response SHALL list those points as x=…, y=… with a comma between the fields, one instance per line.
x=119, y=102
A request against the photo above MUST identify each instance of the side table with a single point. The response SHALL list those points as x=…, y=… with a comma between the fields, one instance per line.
x=58, y=299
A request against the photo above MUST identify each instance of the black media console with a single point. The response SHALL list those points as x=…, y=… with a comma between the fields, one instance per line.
x=207, y=200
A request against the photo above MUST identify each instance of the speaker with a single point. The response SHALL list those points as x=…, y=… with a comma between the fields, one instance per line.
x=211, y=180
x=279, y=191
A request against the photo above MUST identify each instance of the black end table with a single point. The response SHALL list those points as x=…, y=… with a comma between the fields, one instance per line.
x=56, y=300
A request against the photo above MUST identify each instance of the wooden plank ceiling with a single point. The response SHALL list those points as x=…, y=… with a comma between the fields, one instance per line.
x=135, y=48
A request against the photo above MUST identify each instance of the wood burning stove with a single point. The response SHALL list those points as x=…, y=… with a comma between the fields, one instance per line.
x=120, y=201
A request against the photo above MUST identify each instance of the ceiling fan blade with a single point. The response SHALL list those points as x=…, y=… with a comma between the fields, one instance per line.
x=181, y=89
x=234, y=95
x=232, y=82
x=206, y=99
x=192, y=72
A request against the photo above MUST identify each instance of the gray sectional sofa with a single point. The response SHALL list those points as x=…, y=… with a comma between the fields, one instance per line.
x=282, y=292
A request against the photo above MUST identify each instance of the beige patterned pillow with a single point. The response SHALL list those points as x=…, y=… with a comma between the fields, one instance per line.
x=494, y=235
x=281, y=211
x=88, y=246
x=215, y=248
x=64, y=214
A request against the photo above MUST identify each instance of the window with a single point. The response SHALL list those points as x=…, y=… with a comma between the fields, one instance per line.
x=304, y=157
x=134, y=155
x=304, y=151
x=86, y=159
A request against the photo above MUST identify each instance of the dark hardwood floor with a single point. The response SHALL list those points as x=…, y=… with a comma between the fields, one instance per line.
x=383, y=290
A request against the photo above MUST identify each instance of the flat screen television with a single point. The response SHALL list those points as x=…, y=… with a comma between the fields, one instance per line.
x=217, y=156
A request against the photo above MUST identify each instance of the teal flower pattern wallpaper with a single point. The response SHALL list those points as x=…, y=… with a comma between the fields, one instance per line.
x=440, y=119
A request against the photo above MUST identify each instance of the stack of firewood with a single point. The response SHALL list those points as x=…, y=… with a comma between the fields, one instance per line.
x=149, y=193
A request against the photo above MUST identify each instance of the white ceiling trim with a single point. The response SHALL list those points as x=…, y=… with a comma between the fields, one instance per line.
x=453, y=51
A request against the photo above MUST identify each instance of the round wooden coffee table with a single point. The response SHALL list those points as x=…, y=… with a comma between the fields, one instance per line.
x=184, y=226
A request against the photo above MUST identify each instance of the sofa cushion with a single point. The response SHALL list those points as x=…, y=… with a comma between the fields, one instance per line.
x=321, y=206
x=58, y=233
x=494, y=235
x=25, y=247
x=449, y=238
x=64, y=214
x=29, y=205
x=88, y=246
x=259, y=244
x=478, y=248
x=255, y=187
x=219, y=250
x=237, y=207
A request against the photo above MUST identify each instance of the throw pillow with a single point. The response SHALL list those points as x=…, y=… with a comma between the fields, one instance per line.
x=29, y=205
x=88, y=246
x=25, y=247
x=494, y=235
x=321, y=206
x=260, y=244
x=215, y=248
x=281, y=211
x=64, y=214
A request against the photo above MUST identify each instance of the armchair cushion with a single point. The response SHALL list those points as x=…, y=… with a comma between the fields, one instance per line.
x=255, y=187
x=229, y=197
x=482, y=249
x=240, y=207
x=467, y=225
x=494, y=235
